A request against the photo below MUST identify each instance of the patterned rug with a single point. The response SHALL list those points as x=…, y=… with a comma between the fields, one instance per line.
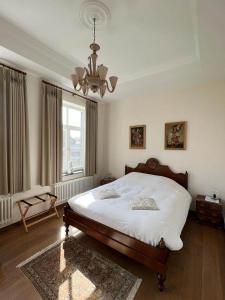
x=69, y=270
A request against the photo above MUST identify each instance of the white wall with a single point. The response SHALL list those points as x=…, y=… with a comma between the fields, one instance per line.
x=202, y=107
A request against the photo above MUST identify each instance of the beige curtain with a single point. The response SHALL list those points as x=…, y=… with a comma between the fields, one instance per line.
x=91, y=137
x=14, y=135
x=51, y=153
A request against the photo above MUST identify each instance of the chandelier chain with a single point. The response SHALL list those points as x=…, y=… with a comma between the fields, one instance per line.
x=94, y=19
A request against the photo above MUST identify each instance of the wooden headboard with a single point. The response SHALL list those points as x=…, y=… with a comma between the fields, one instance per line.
x=152, y=166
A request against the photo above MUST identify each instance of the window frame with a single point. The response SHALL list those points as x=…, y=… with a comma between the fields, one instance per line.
x=75, y=172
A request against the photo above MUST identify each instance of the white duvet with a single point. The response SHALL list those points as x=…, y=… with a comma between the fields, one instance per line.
x=148, y=226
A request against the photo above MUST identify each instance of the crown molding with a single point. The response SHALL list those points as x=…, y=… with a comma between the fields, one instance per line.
x=20, y=42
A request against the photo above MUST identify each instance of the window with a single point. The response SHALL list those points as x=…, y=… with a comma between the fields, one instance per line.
x=73, y=138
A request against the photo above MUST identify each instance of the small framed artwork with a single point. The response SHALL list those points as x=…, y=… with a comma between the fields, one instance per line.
x=138, y=137
x=175, y=136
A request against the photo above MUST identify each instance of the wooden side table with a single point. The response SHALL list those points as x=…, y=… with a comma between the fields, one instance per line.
x=107, y=180
x=26, y=204
x=209, y=212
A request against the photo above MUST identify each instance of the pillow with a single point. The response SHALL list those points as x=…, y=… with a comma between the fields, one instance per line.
x=144, y=204
x=107, y=194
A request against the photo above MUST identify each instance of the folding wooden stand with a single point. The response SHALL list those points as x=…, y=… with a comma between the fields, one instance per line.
x=36, y=200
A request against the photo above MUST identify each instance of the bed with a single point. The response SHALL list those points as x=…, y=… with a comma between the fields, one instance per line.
x=114, y=223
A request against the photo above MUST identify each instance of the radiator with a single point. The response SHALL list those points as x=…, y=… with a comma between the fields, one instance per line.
x=67, y=189
x=6, y=209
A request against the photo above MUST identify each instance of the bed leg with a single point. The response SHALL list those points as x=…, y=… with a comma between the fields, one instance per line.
x=161, y=279
x=67, y=229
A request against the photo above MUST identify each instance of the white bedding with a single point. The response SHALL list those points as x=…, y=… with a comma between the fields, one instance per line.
x=148, y=226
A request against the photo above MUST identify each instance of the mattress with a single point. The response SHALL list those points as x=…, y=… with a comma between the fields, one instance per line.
x=148, y=226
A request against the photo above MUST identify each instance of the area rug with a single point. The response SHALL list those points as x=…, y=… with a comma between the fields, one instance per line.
x=69, y=270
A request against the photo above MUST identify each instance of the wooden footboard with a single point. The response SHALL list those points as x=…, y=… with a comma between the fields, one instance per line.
x=153, y=257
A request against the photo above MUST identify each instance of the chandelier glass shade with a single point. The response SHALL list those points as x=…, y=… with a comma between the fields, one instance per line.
x=93, y=77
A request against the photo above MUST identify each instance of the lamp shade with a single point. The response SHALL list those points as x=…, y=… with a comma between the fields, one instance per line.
x=85, y=89
x=102, y=71
x=74, y=80
x=102, y=90
x=113, y=81
x=80, y=72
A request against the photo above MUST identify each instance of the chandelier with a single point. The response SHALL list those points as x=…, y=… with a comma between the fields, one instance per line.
x=93, y=77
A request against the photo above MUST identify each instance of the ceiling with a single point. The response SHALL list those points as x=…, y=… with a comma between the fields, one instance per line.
x=147, y=43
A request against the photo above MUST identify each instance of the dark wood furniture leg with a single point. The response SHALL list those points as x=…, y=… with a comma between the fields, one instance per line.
x=67, y=229
x=161, y=279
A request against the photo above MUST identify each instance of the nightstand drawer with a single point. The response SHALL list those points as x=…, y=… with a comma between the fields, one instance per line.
x=208, y=205
x=208, y=212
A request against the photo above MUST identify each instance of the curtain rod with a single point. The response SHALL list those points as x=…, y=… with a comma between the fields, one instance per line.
x=14, y=69
x=68, y=91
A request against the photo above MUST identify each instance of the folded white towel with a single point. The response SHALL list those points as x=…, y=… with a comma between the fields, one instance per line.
x=143, y=203
x=107, y=194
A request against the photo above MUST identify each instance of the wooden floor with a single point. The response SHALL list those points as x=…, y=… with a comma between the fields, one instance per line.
x=195, y=272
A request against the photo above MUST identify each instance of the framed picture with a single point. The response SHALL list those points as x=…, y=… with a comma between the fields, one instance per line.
x=175, y=136
x=138, y=137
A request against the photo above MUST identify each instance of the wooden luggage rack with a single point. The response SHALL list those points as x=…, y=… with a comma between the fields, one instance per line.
x=26, y=204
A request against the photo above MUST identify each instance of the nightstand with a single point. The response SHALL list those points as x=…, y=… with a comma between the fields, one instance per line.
x=107, y=180
x=208, y=211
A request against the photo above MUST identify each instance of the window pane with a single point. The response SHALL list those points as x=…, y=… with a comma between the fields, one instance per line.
x=73, y=139
x=75, y=149
x=74, y=117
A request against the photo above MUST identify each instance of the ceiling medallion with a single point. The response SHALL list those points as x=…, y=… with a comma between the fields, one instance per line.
x=93, y=77
x=94, y=9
